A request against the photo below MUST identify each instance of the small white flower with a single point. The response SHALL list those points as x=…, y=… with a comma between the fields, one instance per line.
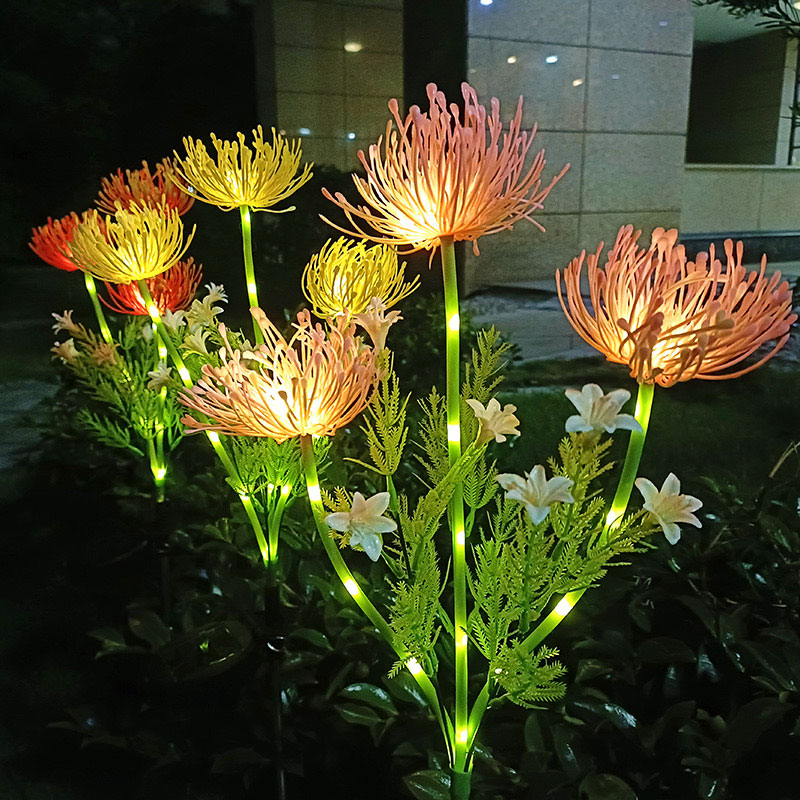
x=202, y=313
x=64, y=323
x=669, y=506
x=173, y=320
x=364, y=522
x=160, y=377
x=65, y=351
x=147, y=331
x=537, y=493
x=599, y=412
x=495, y=422
x=216, y=294
x=376, y=322
x=195, y=342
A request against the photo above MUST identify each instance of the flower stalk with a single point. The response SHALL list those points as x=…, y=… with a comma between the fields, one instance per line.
x=91, y=288
x=456, y=515
x=619, y=505
x=249, y=270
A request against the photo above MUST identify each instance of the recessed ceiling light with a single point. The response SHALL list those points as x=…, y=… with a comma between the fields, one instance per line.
x=486, y=2
x=577, y=82
x=353, y=47
x=511, y=60
x=615, y=76
x=551, y=59
x=351, y=136
x=663, y=23
x=304, y=131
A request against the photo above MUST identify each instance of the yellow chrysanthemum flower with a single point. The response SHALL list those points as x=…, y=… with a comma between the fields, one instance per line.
x=346, y=275
x=258, y=176
x=133, y=245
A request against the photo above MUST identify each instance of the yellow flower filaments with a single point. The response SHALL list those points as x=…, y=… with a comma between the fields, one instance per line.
x=346, y=275
x=132, y=245
x=257, y=176
x=248, y=177
x=311, y=385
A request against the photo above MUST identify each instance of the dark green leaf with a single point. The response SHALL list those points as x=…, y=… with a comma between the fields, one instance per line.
x=752, y=720
x=605, y=787
x=149, y=626
x=357, y=714
x=371, y=695
x=429, y=784
x=313, y=637
x=664, y=650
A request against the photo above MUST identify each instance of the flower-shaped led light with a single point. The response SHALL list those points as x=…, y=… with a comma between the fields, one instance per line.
x=670, y=319
x=132, y=245
x=598, y=412
x=315, y=383
x=668, y=506
x=259, y=175
x=496, y=422
x=52, y=242
x=536, y=492
x=345, y=275
x=438, y=176
x=142, y=187
x=172, y=290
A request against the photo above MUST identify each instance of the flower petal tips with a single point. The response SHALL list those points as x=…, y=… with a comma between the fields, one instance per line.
x=599, y=412
x=495, y=422
x=669, y=506
x=364, y=522
x=441, y=174
x=315, y=383
x=537, y=493
x=670, y=319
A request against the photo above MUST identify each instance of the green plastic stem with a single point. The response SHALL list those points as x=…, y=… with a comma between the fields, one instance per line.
x=619, y=505
x=249, y=270
x=456, y=507
x=357, y=593
x=91, y=288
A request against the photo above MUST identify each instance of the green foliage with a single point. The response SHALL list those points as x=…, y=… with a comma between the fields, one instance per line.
x=527, y=678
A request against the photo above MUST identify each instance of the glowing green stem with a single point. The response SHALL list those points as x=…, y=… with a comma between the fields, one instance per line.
x=619, y=505
x=91, y=288
x=249, y=270
x=453, y=395
x=158, y=470
x=213, y=436
x=356, y=592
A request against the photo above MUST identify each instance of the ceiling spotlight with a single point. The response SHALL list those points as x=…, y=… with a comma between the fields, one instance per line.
x=351, y=136
x=353, y=47
x=304, y=131
x=511, y=60
x=486, y=2
x=577, y=82
x=551, y=59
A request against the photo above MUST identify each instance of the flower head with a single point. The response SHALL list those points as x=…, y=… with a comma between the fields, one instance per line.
x=669, y=506
x=104, y=354
x=376, y=322
x=203, y=313
x=345, y=275
x=439, y=176
x=670, y=319
x=159, y=377
x=259, y=175
x=364, y=522
x=64, y=322
x=132, y=245
x=537, y=493
x=495, y=422
x=172, y=290
x=173, y=320
x=599, y=412
x=51, y=242
x=315, y=383
x=141, y=187
x=65, y=351
x=195, y=342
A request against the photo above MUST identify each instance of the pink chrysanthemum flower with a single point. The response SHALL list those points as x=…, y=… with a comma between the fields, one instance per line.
x=315, y=383
x=670, y=319
x=438, y=176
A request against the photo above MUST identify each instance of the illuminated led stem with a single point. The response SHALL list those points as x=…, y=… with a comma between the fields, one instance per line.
x=356, y=592
x=157, y=468
x=453, y=394
x=160, y=475
x=249, y=270
x=619, y=505
x=91, y=288
x=213, y=436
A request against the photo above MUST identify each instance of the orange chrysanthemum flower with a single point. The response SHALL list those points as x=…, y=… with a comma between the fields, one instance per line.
x=440, y=177
x=172, y=290
x=670, y=319
x=143, y=188
x=313, y=384
x=51, y=242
